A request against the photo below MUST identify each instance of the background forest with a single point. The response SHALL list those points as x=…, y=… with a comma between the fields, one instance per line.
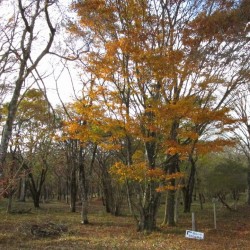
x=162, y=118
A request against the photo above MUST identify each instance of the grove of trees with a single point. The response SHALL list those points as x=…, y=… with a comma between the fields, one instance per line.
x=163, y=114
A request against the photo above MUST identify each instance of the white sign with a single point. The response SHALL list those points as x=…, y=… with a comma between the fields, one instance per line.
x=194, y=235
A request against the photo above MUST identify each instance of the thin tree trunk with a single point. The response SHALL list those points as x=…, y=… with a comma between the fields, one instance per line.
x=176, y=210
x=129, y=198
x=73, y=191
x=22, y=195
x=188, y=191
x=201, y=200
x=107, y=192
x=84, y=177
x=84, y=192
x=36, y=200
x=67, y=191
x=9, y=205
x=85, y=207
x=165, y=219
x=171, y=206
x=129, y=163
x=59, y=189
x=172, y=165
x=221, y=199
x=35, y=192
x=248, y=186
x=171, y=193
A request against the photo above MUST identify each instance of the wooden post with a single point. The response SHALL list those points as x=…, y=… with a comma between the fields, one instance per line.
x=215, y=225
x=214, y=200
x=193, y=222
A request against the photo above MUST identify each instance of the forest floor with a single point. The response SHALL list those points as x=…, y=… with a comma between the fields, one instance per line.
x=18, y=230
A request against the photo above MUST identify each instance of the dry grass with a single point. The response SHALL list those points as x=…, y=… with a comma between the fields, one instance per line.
x=109, y=232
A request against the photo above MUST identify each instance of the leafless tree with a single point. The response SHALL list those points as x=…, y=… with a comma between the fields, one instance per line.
x=28, y=35
x=242, y=111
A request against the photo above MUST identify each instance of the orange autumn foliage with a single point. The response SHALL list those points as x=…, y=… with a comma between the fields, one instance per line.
x=154, y=82
x=139, y=172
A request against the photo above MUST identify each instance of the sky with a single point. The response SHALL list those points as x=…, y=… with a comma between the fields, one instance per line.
x=52, y=68
x=62, y=81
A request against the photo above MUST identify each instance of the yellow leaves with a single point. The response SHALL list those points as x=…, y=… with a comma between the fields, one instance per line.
x=176, y=110
x=104, y=65
x=216, y=145
x=135, y=172
x=176, y=148
x=159, y=174
x=125, y=45
x=90, y=123
x=109, y=146
x=111, y=48
x=173, y=150
x=73, y=128
x=188, y=135
x=168, y=187
x=156, y=174
x=163, y=62
x=138, y=156
x=140, y=172
x=146, y=88
x=86, y=121
x=92, y=13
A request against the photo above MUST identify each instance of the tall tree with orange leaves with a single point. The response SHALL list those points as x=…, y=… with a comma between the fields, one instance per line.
x=164, y=72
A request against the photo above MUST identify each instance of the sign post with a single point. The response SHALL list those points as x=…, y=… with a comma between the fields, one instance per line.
x=194, y=234
x=193, y=222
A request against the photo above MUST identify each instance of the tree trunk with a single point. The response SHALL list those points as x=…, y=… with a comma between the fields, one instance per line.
x=107, y=199
x=85, y=207
x=170, y=211
x=37, y=189
x=67, y=191
x=22, y=195
x=171, y=206
x=171, y=193
x=176, y=209
x=36, y=200
x=188, y=190
x=248, y=186
x=73, y=191
x=83, y=192
x=112, y=196
x=147, y=219
x=12, y=108
x=35, y=196
x=150, y=198
x=59, y=189
x=171, y=167
x=9, y=205
x=201, y=199
x=34, y=192
x=129, y=163
x=84, y=176
x=165, y=218
x=129, y=198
